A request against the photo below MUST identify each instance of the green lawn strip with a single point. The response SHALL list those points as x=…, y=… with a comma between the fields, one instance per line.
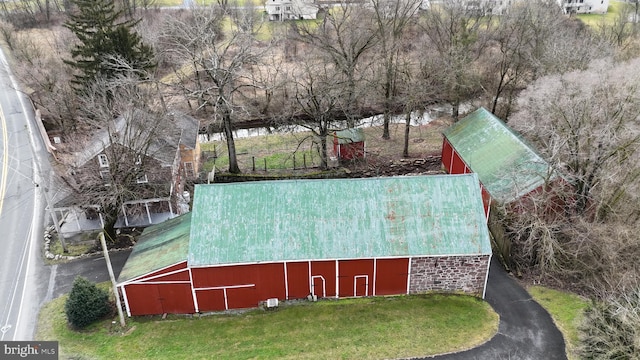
x=566, y=309
x=385, y=327
x=277, y=149
x=595, y=20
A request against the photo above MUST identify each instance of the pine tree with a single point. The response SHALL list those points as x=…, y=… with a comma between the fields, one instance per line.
x=86, y=303
x=101, y=37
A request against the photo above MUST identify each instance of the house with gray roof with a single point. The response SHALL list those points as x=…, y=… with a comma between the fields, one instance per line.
x=162, y=155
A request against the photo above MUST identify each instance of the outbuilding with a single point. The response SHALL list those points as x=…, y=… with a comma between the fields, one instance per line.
x=508, y=168
x=250, y=242
x=349, y=144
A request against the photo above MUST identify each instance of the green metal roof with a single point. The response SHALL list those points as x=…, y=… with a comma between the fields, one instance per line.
x=506, y=165
x=159, y=246
x=337, y=219
x=349, y=136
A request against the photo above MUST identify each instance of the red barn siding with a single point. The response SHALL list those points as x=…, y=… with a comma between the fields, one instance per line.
x=447, y=155
x=211, y=300
x=148, y=299
x=246, y=285
x=391, y=276
x=454, y=164
x=349, y=151
x=356, y=277
x=326, y=269
x=452, y=161
x=457, y=165
x=143, y=299
x=246, y=297
x=486, y=200
x=298, y=279
x=170, y=269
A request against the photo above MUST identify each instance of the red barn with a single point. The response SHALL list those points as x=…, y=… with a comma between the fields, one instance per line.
x=508, y=168
x=245, y=243
x=349, y=144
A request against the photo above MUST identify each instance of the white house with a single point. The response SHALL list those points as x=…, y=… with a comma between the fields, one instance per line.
x=584, y=6
x=280, y=10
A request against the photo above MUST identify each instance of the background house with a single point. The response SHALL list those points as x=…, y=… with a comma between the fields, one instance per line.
x=508, y=168
x=249, y=242
x=502, y=6
x=584, y=6
x=280, y=10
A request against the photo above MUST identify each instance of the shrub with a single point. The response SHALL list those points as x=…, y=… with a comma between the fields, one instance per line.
x=611, y=329
x=86, y=303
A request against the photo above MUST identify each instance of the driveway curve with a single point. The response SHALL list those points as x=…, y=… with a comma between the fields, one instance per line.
x=526, y=330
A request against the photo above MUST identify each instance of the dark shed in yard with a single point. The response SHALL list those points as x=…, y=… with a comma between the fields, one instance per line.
x=249, y=242
x=508, y=168
x=349, y=144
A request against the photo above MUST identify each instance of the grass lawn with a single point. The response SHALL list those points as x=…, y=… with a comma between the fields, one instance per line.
x=595, y=20
x=365, y=328
x=566, y=309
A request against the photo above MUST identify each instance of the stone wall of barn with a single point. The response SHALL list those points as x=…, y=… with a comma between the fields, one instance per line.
x=449, y=274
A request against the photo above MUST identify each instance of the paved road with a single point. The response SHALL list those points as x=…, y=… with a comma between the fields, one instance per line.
x=526, y=330
x=23, y=278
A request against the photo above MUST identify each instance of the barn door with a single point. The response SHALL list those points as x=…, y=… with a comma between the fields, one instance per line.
x=318, y=286
x=361, y=285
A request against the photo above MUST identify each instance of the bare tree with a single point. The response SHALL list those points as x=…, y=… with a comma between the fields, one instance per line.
x=621, y=29
x=213, y=66
x=458, y=33
x=580, y=228
x=124, y=110
x=343, y=38
x=40, y=69
x=611, y=328
x=317, y=98
x=392, y=18
x=587, y=123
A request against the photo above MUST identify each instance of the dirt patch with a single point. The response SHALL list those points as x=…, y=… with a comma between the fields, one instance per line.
x=384, y=157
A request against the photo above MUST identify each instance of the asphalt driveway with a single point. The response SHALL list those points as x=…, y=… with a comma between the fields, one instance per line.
x=526, y=330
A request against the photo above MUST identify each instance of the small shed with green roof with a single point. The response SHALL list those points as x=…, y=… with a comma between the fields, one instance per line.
x=349, y=144
x=250, y=242
x=508, y=168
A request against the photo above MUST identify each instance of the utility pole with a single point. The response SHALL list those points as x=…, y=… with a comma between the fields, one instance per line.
x=47, y=198
x=113, y=278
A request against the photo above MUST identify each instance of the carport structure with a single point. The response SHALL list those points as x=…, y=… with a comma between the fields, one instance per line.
x=249, y=242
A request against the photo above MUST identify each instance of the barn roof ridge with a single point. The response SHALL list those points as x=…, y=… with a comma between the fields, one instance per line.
x=506, y=164
x=289, y=220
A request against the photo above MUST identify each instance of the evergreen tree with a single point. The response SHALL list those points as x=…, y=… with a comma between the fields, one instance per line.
x=86, y=303
x=101, y=38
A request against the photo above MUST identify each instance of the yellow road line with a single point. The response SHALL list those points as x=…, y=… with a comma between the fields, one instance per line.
x=5, y=159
